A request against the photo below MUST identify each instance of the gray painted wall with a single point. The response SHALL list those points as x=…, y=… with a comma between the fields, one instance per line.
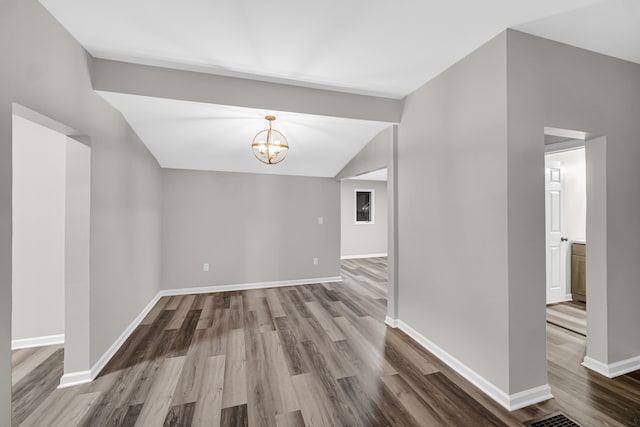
x=596, y=271
x=248, y=227
x=136, y=79
x=555, y=85
x=44, y=68
x=38, y=230
x=481, y=204
x=362, y=239
x=77, y=249
x=452, y=214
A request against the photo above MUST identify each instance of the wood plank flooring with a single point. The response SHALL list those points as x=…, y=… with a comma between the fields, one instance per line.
x=315, y=355
x=569, y=315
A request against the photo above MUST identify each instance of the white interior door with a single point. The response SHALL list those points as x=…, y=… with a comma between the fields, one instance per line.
x=555, y=240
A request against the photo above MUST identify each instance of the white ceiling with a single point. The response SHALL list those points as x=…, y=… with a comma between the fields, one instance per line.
x=192, y=135
x=609, y=27
x=371, y=47
x=377, y=47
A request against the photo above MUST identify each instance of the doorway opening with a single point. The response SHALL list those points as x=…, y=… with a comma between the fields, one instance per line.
x=364, y=228
x=50, y=251
x=565, y=230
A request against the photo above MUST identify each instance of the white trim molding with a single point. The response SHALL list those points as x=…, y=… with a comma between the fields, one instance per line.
x=510, y=402
x=247, y=286
x=75, y=378
x=390, y=321
x=528, y=397
x=612, y=370
x=363, y=256
x=558, y=147
x=102, y=362
x=565, y=298
x=37, y=341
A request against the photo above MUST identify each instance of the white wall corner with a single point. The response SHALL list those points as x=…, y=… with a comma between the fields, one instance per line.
x=509, y=402
x=75, y=378
x=391, y=322
x=37, y=341
x=612, y=370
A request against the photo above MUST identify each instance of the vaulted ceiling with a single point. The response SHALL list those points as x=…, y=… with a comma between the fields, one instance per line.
x=377, y=48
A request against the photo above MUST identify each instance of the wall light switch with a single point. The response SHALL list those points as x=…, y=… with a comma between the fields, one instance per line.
x=320, y=220
x=315, y=261
x=205, y=266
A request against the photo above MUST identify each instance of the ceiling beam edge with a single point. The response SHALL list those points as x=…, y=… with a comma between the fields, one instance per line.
x=145, y=80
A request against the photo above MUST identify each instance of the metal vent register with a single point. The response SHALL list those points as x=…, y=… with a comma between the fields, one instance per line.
x=556, y=419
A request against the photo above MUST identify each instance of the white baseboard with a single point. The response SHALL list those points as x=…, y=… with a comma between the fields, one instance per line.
x=528, y=397
x=363, y=256
x=37, y=341
x=82, y=377
x=510, y=402
x=391, y=322
x=566, y=298
x=247, y=286
x=104, y=359
x=75, y=378
x=612, y=370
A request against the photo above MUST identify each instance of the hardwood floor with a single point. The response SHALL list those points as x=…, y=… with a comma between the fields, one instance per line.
x=315, y=355
x=35, y=375
x=569, y=315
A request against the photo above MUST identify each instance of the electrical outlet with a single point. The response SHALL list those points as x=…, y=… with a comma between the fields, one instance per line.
x=205, y=266
x=320, y=220
x=315, y=261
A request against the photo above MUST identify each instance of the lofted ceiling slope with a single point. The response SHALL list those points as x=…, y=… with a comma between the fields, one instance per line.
x=192, y=135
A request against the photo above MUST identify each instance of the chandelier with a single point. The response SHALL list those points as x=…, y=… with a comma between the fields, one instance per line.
x=270, y=146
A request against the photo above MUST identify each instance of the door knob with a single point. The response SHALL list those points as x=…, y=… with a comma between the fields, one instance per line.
x=564, y=239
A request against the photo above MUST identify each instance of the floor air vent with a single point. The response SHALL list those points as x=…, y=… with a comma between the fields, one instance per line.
x=557, y=419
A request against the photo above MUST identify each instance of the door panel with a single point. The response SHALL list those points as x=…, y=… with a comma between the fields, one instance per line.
x=556, y=247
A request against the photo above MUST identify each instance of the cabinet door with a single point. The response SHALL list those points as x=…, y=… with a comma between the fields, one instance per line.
x=578, y=273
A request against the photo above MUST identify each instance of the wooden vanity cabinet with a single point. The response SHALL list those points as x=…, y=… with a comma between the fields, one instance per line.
x=578, y=272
